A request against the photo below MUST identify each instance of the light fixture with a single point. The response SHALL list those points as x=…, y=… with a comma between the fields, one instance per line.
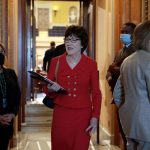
x=55, y=10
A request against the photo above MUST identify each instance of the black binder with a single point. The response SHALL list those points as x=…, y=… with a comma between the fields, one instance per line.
x=39, y=77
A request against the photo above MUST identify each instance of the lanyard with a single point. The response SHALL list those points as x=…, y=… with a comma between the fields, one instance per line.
x=3, y=89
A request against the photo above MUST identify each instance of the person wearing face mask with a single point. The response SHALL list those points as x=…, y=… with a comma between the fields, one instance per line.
x=132, y=91
x=9, y=101
x=128, y=48
x=113, y=71
x=76, y=114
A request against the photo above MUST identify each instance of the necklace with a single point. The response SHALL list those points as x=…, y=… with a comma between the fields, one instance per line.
x=1, y=70
x=3, y=90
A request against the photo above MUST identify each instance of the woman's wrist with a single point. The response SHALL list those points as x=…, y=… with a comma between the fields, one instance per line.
x=12, y=115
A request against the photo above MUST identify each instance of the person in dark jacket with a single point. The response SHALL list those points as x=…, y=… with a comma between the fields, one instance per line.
x=59, y=50
x=113, y=71
x=48, y=56
x=54, y=52
x=9, y=102
x=132, y=91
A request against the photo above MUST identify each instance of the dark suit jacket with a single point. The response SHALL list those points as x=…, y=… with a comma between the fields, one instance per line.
x=114, y=68
x=60, y=49
x=47, y=57
x=12, y=94
x=51, y=53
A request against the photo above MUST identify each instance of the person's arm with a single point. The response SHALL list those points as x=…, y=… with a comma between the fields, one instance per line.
x=6, y=118
x=95, y=91
x=17, y=93
x=113, y=68
x=45, y=60
x=96, y=100
x=118, y=93
x=113, y=73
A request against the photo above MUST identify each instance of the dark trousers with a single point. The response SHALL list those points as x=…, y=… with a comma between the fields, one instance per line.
x=6, y=133
x=4, y=141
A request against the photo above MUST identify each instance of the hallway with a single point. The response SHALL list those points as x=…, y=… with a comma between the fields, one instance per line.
x=26, y=29
x=35, y=134
x=36, y=131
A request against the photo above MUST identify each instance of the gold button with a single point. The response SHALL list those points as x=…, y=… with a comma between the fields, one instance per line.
x=69, y=94
x=74, y=89
x=68, y=76
x=75, y=82
x=74, y=95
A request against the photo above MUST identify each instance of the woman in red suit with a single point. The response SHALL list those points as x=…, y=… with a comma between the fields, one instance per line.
x=76, y=114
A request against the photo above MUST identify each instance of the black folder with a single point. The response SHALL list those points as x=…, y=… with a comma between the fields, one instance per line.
x=39, y=77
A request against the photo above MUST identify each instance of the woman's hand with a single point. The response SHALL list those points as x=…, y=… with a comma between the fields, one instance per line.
x=108, y=76
x=6, y=119
x=93, y=125
x=54, y=87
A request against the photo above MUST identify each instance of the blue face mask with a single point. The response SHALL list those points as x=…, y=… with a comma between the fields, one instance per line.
x=125, y=38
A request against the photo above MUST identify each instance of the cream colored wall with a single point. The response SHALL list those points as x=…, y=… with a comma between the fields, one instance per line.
x=60, y=19
x=12, y=60
x=13, y=35
x=104, y=56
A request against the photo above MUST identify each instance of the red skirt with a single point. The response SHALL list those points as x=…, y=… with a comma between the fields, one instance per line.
x=68, y=128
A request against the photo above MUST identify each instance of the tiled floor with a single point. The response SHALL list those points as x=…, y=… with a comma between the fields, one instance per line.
x=35, y=134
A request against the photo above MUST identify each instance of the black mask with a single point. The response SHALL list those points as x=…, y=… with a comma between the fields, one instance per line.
x=2, y=58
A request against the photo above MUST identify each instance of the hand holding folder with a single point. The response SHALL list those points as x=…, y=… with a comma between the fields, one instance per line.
x=39, y=77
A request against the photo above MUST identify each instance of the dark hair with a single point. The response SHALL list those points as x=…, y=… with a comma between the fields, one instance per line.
x=80, y=32
x=141, y=36
x=2, y=49
x=131, y=25
x=2, y=58
x=52, y=43
x=2, y=54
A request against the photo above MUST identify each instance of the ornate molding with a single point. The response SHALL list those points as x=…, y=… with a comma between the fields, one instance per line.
x=146, y=10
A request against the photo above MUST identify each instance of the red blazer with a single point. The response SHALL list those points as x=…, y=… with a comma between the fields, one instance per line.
x=81, y=83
